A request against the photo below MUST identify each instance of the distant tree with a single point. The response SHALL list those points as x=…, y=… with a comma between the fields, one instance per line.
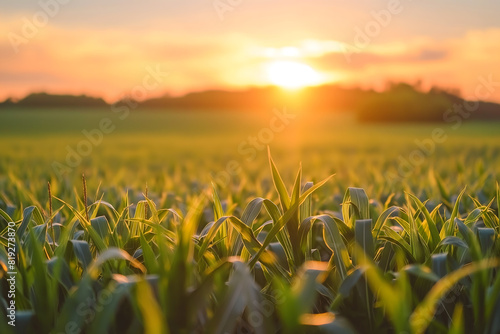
x=49, y=100
x=402, y=102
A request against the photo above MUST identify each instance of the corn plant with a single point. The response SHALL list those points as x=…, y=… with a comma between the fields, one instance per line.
x=279, y=263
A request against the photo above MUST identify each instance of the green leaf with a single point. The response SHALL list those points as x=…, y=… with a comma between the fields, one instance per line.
x=284, y=219
x=453, y=241
x=397, y=240
x=58, y=269
x=355, y=205
x=423, y=314
x=299, y=298
x=279, y=184
x=251, y=211
x=382, y=219
x=98, y=241
x=421, y=271
x=486, y=238
x=431, y=224
x=101, y=226
x=6, y=218
x=351, y=280
x=107, y=304
x=240, y=287
x=457, y=326
x=218, y=211
x=209, y=238
x=112, y=254
x=150, y=309
x=454, y=213
x=149, y=256
x=391, y=297
x=363, y=236
x=82, y=252
x=440, y=264
x=335, y=243
x=28, y=213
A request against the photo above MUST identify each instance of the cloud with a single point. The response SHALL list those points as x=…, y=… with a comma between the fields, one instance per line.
x=381, y=56
x=111, y=61
x=452, y=63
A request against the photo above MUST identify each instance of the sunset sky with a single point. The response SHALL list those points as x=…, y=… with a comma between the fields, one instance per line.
x=103, y=48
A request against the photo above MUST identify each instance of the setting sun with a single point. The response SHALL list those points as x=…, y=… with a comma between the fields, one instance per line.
x=292, y=75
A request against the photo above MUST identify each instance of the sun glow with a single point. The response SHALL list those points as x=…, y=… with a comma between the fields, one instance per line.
x=291, y=74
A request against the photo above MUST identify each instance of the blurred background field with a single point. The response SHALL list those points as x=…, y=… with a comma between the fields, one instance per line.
x=181, y=152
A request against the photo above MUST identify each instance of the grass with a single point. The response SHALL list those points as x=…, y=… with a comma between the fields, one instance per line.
x=153, y=242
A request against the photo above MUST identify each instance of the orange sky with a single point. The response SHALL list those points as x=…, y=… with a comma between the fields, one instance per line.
x=104, y=49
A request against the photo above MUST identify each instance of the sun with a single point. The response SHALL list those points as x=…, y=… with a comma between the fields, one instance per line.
x=291, y=74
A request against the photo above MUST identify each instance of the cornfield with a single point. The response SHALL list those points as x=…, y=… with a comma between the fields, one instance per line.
x=282, y=263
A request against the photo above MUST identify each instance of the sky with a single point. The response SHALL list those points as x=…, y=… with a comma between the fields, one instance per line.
x=109, y=48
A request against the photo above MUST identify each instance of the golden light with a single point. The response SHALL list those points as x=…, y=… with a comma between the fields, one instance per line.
x=291, y=74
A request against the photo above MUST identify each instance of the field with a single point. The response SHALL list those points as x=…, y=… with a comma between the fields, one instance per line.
x=171, y=151
x=183, y=223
